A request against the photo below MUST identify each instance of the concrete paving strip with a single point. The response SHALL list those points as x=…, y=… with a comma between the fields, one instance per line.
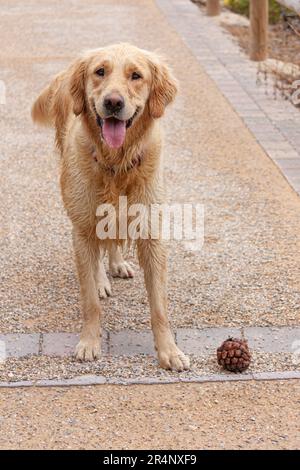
x=134, y=344
x=131, y=343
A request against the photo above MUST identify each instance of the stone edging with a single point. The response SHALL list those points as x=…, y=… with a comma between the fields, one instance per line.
x=100, y=380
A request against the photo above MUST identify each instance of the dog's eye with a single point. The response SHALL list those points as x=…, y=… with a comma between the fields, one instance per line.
x=135, y=76
x=100, y=72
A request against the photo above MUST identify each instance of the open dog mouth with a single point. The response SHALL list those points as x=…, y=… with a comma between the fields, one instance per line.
x=114, y=129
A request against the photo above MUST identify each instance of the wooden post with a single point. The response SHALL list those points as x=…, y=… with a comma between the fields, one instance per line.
x=213, y=7
x=259, y=20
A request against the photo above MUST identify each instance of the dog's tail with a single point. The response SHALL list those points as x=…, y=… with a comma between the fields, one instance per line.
x=52, y=106
x=42, y=109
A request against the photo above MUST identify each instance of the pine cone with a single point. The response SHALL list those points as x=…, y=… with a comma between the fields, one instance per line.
x=234, y=355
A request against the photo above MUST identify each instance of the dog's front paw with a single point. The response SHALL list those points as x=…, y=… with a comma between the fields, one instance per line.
x=173, y=359
x=121, y=269
x=88, y=349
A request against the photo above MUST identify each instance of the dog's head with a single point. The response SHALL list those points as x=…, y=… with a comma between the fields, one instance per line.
x=116, y=85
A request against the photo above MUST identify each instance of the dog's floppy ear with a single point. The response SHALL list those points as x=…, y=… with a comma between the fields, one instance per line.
x=163, y=88
x=77, y=85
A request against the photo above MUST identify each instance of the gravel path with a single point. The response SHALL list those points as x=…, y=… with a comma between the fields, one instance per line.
x=262, y=415
x=248, y=271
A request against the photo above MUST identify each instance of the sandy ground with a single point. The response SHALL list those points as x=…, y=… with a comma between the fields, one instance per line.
x=263, y=415
x=248, y=270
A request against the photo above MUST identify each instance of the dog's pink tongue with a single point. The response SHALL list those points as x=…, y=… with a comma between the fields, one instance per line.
x=114, y=132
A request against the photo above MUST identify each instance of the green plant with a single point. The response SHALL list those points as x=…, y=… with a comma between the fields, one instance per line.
x=274, y=11
x=242, y=7
x=238, y=6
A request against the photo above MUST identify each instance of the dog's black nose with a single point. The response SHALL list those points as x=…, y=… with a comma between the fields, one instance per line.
x=114, y=103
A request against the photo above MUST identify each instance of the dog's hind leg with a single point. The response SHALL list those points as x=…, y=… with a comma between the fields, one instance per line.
x=103, y=283
x=118, y=267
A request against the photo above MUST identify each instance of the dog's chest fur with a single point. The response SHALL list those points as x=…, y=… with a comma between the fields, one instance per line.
x=87, y=182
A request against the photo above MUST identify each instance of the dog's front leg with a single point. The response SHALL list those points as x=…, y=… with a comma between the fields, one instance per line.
x=152, y=258
x=86, y=250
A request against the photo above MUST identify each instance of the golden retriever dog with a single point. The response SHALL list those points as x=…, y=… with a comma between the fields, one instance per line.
x=105, y=109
